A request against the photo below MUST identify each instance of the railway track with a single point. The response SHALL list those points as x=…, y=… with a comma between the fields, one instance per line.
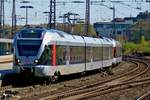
x=31, y=90
x=85, y=86
x=107, y=89
x=115, y=84
x=142, y=70
x=145, y=96
x=109, y=84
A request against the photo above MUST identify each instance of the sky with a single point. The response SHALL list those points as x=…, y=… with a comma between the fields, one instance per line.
x=98, y=13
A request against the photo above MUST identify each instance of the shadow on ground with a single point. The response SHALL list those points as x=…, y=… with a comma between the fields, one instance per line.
x=18, y=80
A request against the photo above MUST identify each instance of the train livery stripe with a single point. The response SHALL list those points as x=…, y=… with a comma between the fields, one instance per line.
x=54, y=55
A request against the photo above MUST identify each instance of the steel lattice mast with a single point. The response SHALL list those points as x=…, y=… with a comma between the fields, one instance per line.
x=87, y=17
x=13, y=18
x=1, y=14
x=2, y=20
x=52, y=15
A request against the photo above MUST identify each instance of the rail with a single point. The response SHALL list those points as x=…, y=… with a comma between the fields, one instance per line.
x=146, y=96
x=104, y=87
x=101, y=87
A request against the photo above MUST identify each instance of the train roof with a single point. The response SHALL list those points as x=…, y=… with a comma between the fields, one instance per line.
x=63, y=38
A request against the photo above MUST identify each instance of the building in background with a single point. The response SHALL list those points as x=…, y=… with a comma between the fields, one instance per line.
x=124, y=27
x=121, y=27
x=5, y=43
x=144, y=15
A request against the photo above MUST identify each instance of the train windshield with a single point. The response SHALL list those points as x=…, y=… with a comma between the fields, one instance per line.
x=28, y=47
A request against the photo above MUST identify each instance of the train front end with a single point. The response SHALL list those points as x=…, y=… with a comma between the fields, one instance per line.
x=28, y=48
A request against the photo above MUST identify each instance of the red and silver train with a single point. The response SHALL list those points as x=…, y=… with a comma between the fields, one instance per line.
x=51, y=53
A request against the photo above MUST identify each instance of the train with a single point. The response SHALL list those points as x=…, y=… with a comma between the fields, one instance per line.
x=51, y=53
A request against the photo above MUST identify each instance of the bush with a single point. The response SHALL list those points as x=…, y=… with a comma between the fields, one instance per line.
x=142, y=47
x=129, y=48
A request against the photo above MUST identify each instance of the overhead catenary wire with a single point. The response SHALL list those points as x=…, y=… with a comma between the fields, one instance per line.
x=39, y=10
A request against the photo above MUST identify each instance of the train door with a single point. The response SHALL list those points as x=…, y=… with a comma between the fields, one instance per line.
x=101, y=56
x=101, y=53
x=89, y=58
x=46, y=57
x=114, y=52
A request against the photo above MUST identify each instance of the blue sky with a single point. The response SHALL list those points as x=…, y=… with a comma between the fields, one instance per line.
x=97, y=13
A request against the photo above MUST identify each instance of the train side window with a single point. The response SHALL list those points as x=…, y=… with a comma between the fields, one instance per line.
x=105, y=53
x=77, y=54
x=96, y=54
x=61, y=55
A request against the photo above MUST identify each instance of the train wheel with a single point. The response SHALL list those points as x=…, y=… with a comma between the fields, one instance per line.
x=113, y=64
x=83, y=73
x=51, y=79
x=48, y=81
x=54, y=79
x=100, y=70
x=109, y=70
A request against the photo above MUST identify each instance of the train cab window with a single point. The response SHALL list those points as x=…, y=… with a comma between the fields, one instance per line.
x=28, y=47
x=45, y=58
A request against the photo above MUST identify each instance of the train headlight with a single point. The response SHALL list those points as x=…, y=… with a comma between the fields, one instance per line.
x=18, y=60
x=36, y=61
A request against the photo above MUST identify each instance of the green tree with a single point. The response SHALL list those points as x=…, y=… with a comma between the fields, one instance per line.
x=143, y=45
x=129, y=48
